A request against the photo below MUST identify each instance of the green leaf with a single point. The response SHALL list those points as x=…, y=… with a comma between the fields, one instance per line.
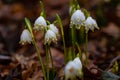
x=70, y=57
x=27, y=21
x=79, y=49
x=29, y=27
x=109, y=76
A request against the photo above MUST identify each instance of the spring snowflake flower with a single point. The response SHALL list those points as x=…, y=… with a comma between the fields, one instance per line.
x=78, y=19
x=25, y=37
x=78, y=66
x=70, y=70
x=50, y=36
x=91, y=24
x=53, y=28
x=40, y=23
x=73, y=68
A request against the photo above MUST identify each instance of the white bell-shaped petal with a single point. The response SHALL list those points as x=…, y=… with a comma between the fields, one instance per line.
x=40, y=23
x=50, y=36
x=25, y=37
x=53, y=28
x=70, y=70
x=78, y=18
x=91, y=24
x=78, y=66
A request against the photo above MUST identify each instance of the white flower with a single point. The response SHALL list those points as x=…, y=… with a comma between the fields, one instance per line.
x=70, y=70
x=25, y=37
x=50, y=36
x=40, y=23
x=78, y=66
x=91, y=24
x=73, y=68
x=53, y=28
x=78, y=18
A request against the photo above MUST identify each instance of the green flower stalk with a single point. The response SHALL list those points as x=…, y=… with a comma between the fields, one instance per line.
x=50, y=36
x=35, y=45
x=73, y=42
x=86, y=47
x=47, y=60
x=62, y=32
x=77, y=20
x=42, y=10
x=51, y=33
x=89, y=24
x=79, y=49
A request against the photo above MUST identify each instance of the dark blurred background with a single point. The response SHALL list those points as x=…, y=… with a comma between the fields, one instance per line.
x=13, y=12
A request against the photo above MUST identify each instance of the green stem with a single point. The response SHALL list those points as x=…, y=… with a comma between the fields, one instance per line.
x=47, y=61
x=42, y=10
x=79, y=49
x=64, y=47
x=63, y=39
x=86, y=46
x=40, y=59
x=73, y=42
x=51, y=59
x=27, y=21
x=53, y=68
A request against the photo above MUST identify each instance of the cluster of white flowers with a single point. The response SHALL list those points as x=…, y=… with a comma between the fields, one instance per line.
x=25, y=37
x=51, y=30
x=73, y=68
x=78, y=19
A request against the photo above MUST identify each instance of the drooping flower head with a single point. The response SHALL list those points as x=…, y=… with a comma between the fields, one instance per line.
x=40, y=23
x=53, y=28
x=91, y=24
x=25, y=37
x=70, y=70
x=78, y=19
x=50, y=36
x=73, y=68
